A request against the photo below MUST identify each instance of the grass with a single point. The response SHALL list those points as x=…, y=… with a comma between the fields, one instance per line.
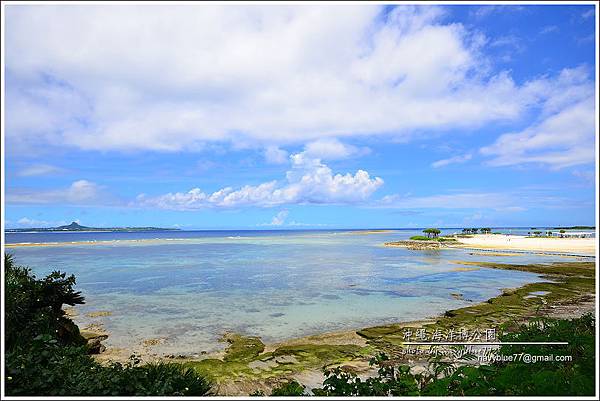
x=424, y=238
x=281, y=362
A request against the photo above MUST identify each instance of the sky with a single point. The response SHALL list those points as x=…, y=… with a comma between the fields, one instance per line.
x=299, y=116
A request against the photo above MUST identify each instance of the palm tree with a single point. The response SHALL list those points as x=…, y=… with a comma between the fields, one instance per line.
x=432, y=232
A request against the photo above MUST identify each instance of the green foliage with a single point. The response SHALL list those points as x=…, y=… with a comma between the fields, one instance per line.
x=423, y=238
x=34, y=306
x=575, y=377
x=441, y=239
x=46, y=355
x=391, y=381
x=242, y=348
x=47, y=368
x=517, y=377
x=420, y=238
x=485, y=230
x=432, y=232
x=291, y=388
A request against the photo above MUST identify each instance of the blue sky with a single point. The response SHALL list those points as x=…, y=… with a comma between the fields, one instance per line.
x=267, y=117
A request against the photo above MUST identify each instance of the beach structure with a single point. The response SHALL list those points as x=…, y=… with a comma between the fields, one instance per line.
x=574, y=234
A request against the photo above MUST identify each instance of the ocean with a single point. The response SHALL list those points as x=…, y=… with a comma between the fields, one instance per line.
x=187, y=288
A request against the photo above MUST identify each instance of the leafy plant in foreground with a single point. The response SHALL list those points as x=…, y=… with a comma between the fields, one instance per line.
x=516, y=377
x=46, y=355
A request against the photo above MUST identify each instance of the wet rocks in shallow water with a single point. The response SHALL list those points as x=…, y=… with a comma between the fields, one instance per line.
x=94, y=341
x=418, y=245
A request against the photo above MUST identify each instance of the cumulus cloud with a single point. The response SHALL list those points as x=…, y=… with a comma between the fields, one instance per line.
x=452, y=160
x=81, y=192
x=166, y=78
x=279, y=218
x=309, y=181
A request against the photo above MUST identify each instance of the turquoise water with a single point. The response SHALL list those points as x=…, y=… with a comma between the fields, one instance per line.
x=190, y=287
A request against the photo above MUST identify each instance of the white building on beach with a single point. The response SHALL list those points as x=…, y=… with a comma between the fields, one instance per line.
x=574, y=234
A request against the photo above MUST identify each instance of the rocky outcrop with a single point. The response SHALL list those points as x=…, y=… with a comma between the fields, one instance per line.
x=418, y=245
x=94, y=341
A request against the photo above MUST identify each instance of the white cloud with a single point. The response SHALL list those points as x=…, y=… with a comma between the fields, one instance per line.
x=167, y=78
x=298, y=224
x=274, y=155
x=548, y=29
x=278, y=219
x=487, y=10
x=587, y=177
x=467, y=200
x=515, y=200
x=565, y=138
x=81, y=192
x=511, y=209
x=26, y=222
x=309, y=181
x=39, y=169
x=589, y=13
x=452, y=160
x=332, y=149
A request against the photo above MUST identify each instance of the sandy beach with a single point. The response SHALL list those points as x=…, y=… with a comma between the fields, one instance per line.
x=583, y=246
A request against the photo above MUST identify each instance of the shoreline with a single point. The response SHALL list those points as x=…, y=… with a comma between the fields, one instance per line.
x=566, y=289
x=94, y=242
x=583, y=247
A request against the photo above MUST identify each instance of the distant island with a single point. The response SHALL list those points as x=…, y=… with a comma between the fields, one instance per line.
x=76, y=227
x=575, y=228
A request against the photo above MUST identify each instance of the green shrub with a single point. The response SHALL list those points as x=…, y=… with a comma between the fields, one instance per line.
x=46, y=355
x=420, y=238
x=501, y=378
x=423, y=238
x=291, y=388
x=47, y=368
x=34, y=306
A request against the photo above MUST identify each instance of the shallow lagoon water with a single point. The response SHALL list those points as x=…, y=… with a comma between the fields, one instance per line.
x=191, y=287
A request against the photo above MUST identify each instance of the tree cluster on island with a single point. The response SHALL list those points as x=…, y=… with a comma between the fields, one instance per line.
x=485, y=230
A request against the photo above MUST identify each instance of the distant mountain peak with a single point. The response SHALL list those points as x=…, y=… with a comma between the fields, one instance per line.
x=73, y=226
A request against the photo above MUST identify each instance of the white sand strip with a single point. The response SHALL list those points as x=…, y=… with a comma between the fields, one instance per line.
x=583, y=246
